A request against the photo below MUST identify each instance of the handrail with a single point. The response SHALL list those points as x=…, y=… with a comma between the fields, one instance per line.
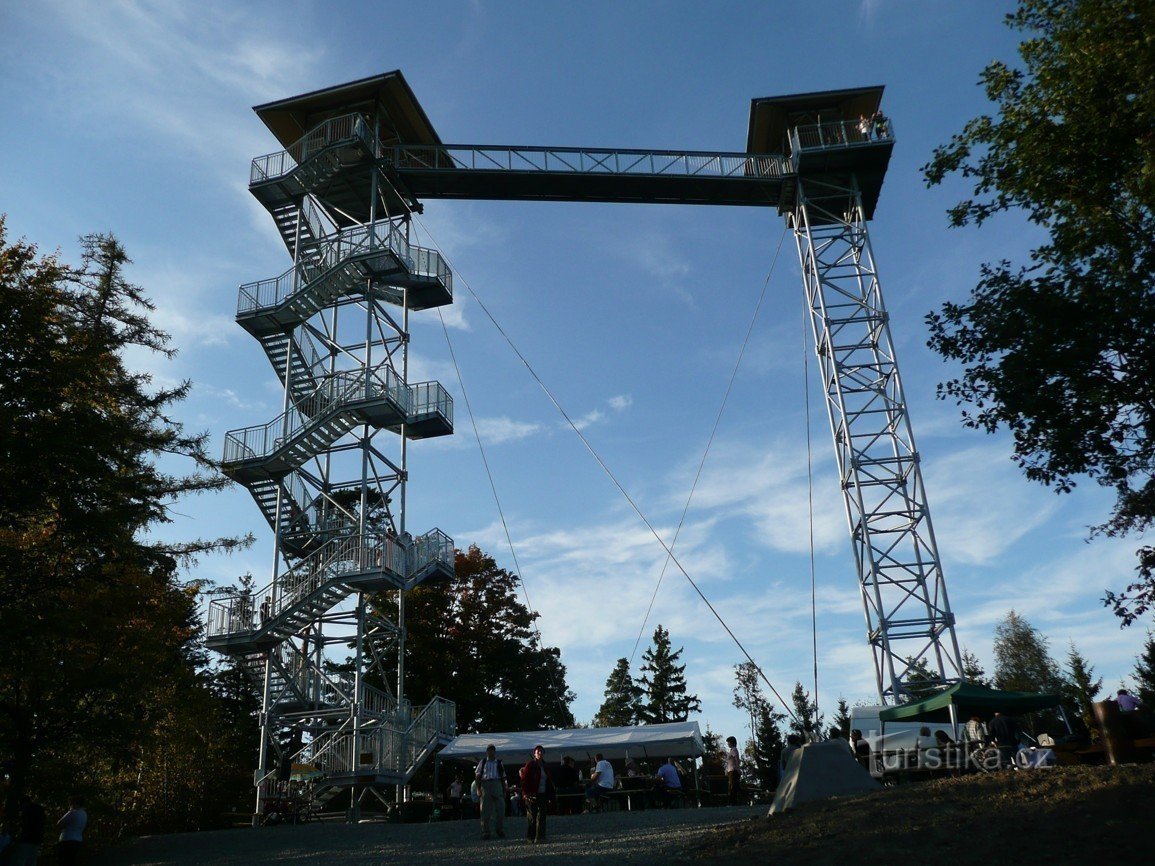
x=239, y=613
x=334, y=132
x=574, y=160
x=322, y=257
x=841, y=133
x=334, y=390
x=430, y=398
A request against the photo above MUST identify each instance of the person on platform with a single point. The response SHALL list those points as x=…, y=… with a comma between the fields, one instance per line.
x=601, y=781
x=537, y=789
x=733, y=771
x=490, y=773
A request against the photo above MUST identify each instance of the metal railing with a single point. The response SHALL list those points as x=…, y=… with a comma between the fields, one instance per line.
x=341, y=557
x=430, y=398
x=335, y=132
x=433, y=546
x=566, y=160
x=334, y=391
x=840, y=133
x=321, y=258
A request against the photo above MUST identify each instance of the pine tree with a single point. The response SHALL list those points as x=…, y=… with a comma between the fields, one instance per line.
x=841, y=719
x=98, y=657
x=1144, y=674
x=764, y=746
x=1082, y=687
x=972, y=669
x=664, y=683
x=1022, y=660
x=921, y=681
x=622, y=704
x=807, y=719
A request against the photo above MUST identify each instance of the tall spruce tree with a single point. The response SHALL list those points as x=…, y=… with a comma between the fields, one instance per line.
x=972, y=669
x=622, y=704
x=1144, y=673
x=807, y=720
x=1082, y=686
x=765, y=743
x=1022, y=660
x=98, y=632
x=664, y=683
x=841, y=720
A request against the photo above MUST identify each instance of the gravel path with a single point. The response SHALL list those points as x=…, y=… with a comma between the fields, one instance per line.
x=653, y=836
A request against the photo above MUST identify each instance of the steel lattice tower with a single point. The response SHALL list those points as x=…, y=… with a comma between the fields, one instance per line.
x=329, y=474
x=359, y=159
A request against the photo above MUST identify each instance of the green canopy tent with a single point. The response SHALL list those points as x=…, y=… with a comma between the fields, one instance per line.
x=963, y=700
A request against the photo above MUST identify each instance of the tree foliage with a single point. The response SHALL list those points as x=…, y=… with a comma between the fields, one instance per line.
x=972, y=669
x=1022, y=659
x=622, y=704
x=841, y=720
x=765, y=744
x=664, y=682
x=1144, y=673
x=470, y=639
x=807, y=719
x=98, y=657
x=1059, y=350
x=1082, y=686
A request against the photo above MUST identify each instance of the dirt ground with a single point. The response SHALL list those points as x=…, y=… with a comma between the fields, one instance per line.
x=1065, y=815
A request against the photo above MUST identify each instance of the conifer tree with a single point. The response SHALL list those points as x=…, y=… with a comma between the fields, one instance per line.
x=622, y=704
x=1082, y=687
x=1022, y=660
x=97, y=656
x=807, y=719
x=664, y=683
x=972, y=669
x=1144, y=674
x=841, y=719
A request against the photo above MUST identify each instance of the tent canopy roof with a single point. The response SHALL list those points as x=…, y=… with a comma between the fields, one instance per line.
x=673, y=740
x=969, y=700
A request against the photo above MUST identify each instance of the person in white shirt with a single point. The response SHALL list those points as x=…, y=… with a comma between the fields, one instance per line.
x=71, y=828
x=733, y=771
x=491, y=774
x=603, y=780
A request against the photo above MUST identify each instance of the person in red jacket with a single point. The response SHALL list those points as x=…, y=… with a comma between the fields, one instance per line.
x=537, y=790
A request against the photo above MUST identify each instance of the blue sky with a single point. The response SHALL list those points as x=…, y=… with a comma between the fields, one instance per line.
x=135, y=118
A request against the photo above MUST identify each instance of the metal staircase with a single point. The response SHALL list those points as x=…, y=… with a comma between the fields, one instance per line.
x=322, y=475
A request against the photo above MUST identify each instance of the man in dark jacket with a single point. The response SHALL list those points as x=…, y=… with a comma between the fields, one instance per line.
x=537, y=789
x=1005, y=732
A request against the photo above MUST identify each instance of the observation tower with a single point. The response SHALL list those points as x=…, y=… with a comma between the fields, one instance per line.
x=359, y=159
x=329, y=473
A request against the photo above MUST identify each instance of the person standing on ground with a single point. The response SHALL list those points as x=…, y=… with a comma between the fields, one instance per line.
x=71, y=828
x=733, y=771
x=537, y=789
x=490, y=775
x=566, y=780
x=31, y=834
x=1005, y=733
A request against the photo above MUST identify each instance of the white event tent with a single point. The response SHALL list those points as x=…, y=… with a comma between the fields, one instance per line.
x=673, y=740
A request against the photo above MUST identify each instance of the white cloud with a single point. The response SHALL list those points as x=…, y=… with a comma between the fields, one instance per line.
x=496, y=431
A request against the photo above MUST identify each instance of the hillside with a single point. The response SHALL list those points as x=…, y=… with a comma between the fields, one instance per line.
x=1064, y=815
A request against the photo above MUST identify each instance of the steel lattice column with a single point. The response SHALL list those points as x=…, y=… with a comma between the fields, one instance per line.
x=908, y=618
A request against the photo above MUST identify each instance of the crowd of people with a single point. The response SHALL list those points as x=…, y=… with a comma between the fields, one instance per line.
x=25, y=828
x=540, y=789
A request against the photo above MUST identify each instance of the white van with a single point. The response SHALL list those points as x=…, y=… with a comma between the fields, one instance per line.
x=914, y=738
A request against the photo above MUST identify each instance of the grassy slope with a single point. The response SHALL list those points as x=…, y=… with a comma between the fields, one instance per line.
x=1064, y=815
